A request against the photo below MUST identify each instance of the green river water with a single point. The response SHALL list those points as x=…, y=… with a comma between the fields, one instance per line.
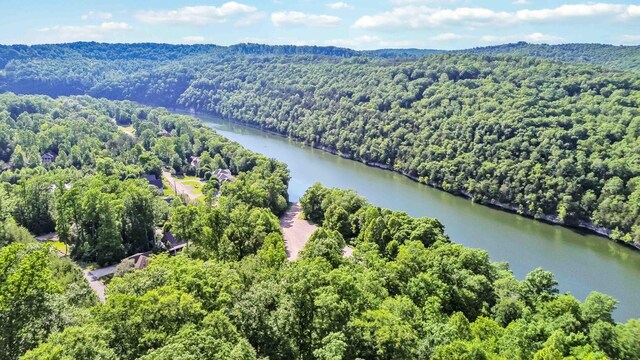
x=581, y=262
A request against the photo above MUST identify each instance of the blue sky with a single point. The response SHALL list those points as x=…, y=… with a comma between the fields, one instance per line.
x=359, y=24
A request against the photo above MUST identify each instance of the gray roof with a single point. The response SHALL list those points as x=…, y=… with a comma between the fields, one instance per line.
x=223, y=175
x=153, y=180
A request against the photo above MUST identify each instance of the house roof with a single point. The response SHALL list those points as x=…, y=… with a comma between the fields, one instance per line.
x=168, y=238
x=142, y=262
x=153, y=180
x=223, y=175
x=178, y=247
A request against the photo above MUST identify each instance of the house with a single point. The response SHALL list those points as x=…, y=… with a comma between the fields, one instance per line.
x=195, y=161
x=164, y=133
x=172, y=244
x=48, y=158
x=140, y=260
x=155, y=181
x=223, y=175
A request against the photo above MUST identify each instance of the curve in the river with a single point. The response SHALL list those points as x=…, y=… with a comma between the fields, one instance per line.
x=581, y=262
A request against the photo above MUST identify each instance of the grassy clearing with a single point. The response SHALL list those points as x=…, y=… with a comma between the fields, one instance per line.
x=129, y=130
x=168, y=189
x=60, y=246
x=196, y=186
x=184, y=178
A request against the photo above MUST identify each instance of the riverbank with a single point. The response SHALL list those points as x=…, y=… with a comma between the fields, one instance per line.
x=582, y=262
x=581, y=227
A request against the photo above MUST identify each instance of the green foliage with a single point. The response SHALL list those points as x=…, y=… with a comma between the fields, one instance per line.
x=38, y=295
x=547, y=139
x=407, y=292
x=610, y=56
x=75, y=342
x=325, y=244
x=92, y=197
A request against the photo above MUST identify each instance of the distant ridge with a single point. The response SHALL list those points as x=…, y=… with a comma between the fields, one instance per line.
x=617, y=57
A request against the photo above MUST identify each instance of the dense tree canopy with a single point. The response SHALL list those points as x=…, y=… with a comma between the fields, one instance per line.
x=547, y=139
x=93, y=195
x=406, y=292
x=429, y=298
x=611, y=56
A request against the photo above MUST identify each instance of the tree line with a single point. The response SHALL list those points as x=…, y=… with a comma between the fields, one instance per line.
x=551, y=140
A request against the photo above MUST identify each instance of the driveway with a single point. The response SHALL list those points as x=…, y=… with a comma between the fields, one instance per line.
x=297, y=232
x=179, y=187
x=93, y=278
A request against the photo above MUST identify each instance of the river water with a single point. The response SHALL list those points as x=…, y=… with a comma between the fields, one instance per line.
x=581, y=262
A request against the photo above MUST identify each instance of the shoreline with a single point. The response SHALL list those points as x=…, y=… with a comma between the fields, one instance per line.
x=581, y=226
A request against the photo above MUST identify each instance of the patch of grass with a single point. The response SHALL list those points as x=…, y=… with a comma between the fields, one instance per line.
x=183, y=178
x=60, y=246
x=195, y=185
x=168, y=189
x=127, y=129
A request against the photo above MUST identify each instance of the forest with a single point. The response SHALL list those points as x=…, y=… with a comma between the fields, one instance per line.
x=610, y=56
x=557, y=141
x=407, y=291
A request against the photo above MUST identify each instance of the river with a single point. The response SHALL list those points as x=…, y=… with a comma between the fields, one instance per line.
x=581, y=262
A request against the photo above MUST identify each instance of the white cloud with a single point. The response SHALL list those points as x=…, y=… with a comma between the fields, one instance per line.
x=628, y=39
x=422, y=16
x=296, y=18
x=196, y=15
x=447, y=37
x=86, y=32
x=339, y=5
x=532, y=38
x=570, y=11
x=429, y=17
x=521, y=2
x=358, y=42
x=633, y=11
x=251, y=19
x=193, y=39
x=96, y=15
x=367, y=42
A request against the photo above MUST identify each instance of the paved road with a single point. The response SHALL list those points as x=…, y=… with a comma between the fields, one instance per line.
x=93, y=276
x=179, y=187
x=297, y=232
x=95, y=285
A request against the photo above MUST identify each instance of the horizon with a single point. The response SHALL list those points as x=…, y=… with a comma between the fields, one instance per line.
x=353, y=24
x=323, y=46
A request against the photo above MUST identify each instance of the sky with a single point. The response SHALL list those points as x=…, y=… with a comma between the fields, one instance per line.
x=357, y=24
